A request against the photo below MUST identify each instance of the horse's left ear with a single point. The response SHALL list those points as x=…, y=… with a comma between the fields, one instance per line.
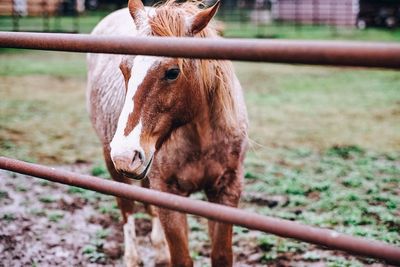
x=201, y=19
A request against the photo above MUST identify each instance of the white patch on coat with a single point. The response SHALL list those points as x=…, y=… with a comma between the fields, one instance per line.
x=159, y=242
x=131, y=256
x=122, y=145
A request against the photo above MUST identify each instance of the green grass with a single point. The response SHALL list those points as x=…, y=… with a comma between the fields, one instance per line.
x=100, y=170
x=55, y=216
x=9, y=217
x=47, y=199
x=356, y=195
x=13, y=63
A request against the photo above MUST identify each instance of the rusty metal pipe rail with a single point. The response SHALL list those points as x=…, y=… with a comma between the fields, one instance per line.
x=340, y=53
x=324, y=237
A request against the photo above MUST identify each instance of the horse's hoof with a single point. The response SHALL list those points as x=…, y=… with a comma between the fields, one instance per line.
x=161, y=264
x=162, y=259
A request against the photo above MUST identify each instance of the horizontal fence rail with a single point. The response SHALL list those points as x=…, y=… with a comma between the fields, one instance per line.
x=324, y=237
x=339, y=53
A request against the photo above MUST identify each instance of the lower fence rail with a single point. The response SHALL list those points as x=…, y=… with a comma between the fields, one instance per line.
x=284, y=228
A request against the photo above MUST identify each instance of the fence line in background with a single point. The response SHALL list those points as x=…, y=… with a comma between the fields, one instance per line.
x=339, y=53
x=324, y=237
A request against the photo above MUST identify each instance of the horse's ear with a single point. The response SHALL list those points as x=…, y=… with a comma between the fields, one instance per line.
x=136, y=8
x=201, y=19
x=126, y=67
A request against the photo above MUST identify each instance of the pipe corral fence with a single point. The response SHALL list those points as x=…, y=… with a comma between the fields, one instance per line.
x=357, y=54
x=44, y=9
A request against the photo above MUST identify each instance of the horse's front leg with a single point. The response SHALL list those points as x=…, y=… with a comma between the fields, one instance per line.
x=131, y=256
x=226, y=192
x=173, y=223
x=176, y=232
x=221, y=242
x=157, y=235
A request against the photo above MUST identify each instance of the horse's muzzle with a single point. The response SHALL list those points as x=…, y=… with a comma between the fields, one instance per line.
x=132, y=168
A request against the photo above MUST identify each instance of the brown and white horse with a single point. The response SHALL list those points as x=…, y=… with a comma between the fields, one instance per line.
x=181, y=124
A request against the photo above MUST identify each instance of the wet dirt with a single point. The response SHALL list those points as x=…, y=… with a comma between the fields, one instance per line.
x=48, y=224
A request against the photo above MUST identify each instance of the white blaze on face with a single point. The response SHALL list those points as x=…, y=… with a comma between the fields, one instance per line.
x=122, y=145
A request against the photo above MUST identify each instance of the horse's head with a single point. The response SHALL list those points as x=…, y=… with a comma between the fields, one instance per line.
x=162, y=94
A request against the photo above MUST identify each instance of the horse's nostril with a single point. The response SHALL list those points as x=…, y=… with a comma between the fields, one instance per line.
x=129, y=163
x=137, y=159
x=140, y=155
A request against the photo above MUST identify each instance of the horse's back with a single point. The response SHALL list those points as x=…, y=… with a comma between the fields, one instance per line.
x=105, y=86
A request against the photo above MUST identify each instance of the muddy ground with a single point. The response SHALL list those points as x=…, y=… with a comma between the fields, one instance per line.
x=48, y=224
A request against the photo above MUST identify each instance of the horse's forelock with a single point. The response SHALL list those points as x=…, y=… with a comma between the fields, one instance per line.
x=215, y=77
x=173, y=18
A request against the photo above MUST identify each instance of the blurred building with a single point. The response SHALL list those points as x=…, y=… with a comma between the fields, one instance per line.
x=360, y=13
x=332, y=12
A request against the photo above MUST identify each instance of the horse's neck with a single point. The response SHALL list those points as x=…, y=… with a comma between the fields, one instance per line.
x=205, y=128
x=211, y=126
x=198, y=135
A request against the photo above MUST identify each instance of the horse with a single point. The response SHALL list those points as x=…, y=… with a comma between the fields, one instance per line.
x=178, y=125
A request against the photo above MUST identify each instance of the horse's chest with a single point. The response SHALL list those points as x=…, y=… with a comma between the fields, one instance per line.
x=185, y=169
x=192, y=175
x=197, y=174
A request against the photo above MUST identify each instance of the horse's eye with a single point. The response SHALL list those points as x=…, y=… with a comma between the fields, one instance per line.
x=172, y=74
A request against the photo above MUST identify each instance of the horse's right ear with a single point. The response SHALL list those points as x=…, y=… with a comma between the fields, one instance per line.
x=201, y=19
x=136, y=8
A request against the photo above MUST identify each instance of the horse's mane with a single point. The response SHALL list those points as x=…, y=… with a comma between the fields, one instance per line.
x=215, y=77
